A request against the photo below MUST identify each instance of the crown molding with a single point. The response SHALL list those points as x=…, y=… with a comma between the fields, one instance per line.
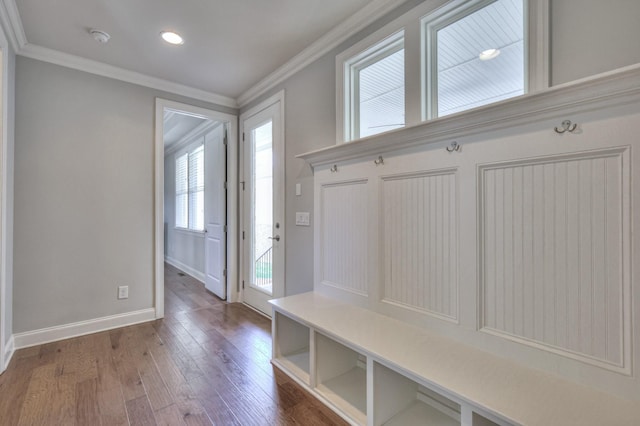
x=350, y=26
x=12, y=24
x=99, y=68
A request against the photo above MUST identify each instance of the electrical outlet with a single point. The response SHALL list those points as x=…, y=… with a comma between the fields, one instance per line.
x=123, y=292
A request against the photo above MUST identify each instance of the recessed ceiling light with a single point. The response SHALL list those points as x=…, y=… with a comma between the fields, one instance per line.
x=172, y=37
x=489, y=54
x=99, y=36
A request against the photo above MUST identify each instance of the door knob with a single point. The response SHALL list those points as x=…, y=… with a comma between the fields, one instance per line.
x=277, y=238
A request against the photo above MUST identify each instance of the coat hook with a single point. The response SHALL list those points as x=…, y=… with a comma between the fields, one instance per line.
x=334, y=169
x=567, y=126
x=454, y=146
x=379, y=161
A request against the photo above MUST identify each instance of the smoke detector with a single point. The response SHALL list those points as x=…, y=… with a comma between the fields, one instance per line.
x=99, y=36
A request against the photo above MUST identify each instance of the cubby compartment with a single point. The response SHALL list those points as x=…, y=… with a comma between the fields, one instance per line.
x=400, y=401
x=341, y=377
x=291, y=346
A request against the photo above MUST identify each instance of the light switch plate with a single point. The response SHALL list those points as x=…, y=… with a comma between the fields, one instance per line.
x=302, y=219
x=298, y=189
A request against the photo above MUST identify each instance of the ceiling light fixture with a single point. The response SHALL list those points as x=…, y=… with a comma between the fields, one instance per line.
x=489, y=54
x=99, y=36
x=172, y=37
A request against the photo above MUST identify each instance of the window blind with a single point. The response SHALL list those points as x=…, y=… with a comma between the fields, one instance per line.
x=182, y=191
x=190, y=190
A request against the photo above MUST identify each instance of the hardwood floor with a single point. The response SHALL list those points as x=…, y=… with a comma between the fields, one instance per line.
x=206, y=362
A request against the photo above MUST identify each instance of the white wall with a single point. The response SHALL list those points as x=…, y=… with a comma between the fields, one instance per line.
x=84, y=195
x=184, y=249
x=310, y=100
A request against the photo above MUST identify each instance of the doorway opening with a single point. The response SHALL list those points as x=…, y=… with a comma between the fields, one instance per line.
x=196, y=226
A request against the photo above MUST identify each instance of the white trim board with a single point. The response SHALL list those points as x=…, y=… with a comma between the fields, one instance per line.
x=185, y=268
x=81, y=328
x=9, y=350
x=606, y=90
x=6, y=207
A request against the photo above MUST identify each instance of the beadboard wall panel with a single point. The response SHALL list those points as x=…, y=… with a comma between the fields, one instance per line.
x=551, y=248
x=343, y=232
x=419, y=242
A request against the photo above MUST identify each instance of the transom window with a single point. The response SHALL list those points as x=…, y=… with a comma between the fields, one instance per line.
x=441, y=58
x=190, y=190
x=475, y=56
x=375, y=86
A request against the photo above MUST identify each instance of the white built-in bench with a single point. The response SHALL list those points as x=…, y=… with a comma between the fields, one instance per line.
x=375, y=370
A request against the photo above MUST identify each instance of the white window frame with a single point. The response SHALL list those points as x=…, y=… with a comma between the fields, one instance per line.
x=412, y=25
x=181, y=153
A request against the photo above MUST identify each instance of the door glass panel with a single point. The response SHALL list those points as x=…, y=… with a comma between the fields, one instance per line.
x=262, y=217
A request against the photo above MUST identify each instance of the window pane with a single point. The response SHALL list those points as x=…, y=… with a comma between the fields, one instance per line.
x=182, y=188
x=465, y=80
x=196, y=210
x=181, y=174
x=381, y=95
x=181, y=211
x=196, y=189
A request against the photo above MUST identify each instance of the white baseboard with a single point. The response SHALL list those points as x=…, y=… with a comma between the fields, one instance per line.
x=9, y=350
x=185, y=268
x=52, y=334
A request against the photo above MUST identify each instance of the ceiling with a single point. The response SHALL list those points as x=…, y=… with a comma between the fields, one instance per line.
x=230, y=45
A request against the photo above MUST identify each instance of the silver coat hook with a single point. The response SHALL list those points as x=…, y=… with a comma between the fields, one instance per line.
x=334, y=169
x=567, y=126
x=379, y=161
x=453, y=146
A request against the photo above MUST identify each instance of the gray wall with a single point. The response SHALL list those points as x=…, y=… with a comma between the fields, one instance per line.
x=183, y=246
x=310, y=100
x=593, y=36
x=310, y=124
x=83, y=195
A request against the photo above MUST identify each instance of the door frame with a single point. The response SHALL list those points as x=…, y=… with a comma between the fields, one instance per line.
x=7, y=346
x=232, y=196
x=279, y=197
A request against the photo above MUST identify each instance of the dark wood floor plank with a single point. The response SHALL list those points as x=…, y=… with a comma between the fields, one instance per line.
x=207, y=362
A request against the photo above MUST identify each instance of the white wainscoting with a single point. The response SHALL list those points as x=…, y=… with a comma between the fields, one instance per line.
x=551, y=248
x=419, y=221
x=345, y=262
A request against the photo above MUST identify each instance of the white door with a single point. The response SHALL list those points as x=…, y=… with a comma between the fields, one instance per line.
x=215, y=205
x=263, y=205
